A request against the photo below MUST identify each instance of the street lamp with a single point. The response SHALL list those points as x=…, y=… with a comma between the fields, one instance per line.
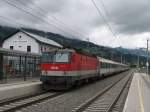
x=121, y=57
x=124, y=58
x=138, y=58
x=147, y=64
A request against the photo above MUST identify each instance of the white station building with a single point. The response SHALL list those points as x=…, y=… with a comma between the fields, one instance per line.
x=29, y=42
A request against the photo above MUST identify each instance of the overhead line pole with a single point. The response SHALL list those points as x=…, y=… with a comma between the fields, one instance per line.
x=121, y=57
x=108, y=15
x=138, y=62
x=147, y=63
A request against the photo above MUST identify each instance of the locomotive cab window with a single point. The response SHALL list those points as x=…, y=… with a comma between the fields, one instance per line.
x=56, y=57
x=61, y=57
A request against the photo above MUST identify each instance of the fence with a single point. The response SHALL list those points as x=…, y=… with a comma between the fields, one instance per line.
x=20, y=65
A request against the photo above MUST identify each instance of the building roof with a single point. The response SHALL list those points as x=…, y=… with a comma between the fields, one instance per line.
x=43, y=39
x=38, y=38
x=9, y=52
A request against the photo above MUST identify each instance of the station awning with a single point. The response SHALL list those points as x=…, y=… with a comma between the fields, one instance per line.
x=8, y=52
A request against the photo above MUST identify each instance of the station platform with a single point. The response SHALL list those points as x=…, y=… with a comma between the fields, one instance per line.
x=11, y=81
x=138, y=96
x=17, y=88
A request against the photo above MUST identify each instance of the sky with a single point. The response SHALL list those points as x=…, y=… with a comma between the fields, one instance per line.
x=119, y=23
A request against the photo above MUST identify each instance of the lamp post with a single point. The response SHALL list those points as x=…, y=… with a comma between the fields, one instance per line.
x=138, y=58
x=125, y=59
x=121, y=57
x=147, y=63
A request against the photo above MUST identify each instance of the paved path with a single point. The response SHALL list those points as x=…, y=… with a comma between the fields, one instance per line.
x=138, y=99
x=13, y=81
x=19, y=88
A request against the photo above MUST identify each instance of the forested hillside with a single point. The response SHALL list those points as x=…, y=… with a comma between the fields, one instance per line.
x=128, y=55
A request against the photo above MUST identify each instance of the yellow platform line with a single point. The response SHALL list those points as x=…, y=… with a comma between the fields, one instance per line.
x=140, y=96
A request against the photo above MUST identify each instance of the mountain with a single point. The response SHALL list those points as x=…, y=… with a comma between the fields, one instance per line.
x=129, y=56
x=140, y=51
x=6, y=31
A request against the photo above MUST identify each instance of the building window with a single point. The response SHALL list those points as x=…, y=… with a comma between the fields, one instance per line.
x=11, y=47
x=28, y=48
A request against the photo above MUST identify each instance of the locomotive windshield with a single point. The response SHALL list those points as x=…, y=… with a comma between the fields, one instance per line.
x=55, y=57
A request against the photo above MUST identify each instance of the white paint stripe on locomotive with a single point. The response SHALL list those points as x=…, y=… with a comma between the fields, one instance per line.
x=68, y=73
x=80, y=73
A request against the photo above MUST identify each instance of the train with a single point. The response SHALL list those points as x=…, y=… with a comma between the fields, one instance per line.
x=64, y=68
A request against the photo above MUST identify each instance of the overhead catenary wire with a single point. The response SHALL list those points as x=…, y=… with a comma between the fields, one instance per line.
x=37, y=17
x=7, y=21
x=107, y=14
x=43, y=11
x=16, y=23
x=104, y=19
x=58, y=20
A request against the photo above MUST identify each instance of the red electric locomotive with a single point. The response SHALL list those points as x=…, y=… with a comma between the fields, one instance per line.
x=64, y=67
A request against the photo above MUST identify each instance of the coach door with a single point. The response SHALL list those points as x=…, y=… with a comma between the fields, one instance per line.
x=98, y=68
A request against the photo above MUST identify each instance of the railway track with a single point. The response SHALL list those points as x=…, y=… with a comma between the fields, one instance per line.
x=105, y=100
x=119, y=105
x=18, y=103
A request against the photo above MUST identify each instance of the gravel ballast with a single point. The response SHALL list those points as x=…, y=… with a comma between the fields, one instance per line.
x=70, y=100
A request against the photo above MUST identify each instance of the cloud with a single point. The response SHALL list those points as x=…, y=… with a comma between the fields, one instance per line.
x=80, y=19
x=102, y=36
x=130, y=17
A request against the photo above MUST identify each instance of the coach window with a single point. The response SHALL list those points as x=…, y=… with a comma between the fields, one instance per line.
x=101, y=65
x=111, y=65
x=104, y=65
x=107, y=65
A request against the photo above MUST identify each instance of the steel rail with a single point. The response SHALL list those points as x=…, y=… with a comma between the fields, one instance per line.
x=18, y=104
x=117, y=97
x=90, y=101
